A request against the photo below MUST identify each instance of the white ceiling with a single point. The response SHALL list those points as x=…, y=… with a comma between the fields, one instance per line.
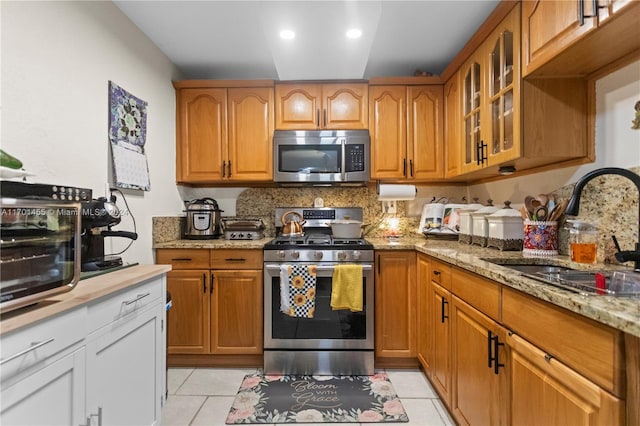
x=239, y=39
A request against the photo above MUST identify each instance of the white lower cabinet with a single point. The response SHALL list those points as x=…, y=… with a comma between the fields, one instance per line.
x=53, y=395
x=124, y=371
x=108, y=371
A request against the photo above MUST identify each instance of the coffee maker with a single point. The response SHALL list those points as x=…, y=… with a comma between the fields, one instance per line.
x=98, y=216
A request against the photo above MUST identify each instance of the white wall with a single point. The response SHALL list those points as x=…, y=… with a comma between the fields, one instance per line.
x=617, y=145
x=57, y=60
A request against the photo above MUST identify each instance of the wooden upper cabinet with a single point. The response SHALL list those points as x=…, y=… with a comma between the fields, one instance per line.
x=471, y=150
x=388, y=131
x=577, y=37
x=452, y=125
x=406, y=128
x=250, y=131
x=202, y=134
x=217, y=127
x=339, y=106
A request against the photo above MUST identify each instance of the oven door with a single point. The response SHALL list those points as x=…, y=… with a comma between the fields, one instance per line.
x=328, y=329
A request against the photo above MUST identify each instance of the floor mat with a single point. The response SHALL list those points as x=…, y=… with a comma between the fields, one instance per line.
x=316, y=399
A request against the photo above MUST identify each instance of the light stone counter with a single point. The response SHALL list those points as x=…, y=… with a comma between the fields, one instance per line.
x=213, y=244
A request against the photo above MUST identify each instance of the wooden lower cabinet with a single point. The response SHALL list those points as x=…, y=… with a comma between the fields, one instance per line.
x=214, y=311
x=545, y=392
x=441, y=360
x=395, y=307
x=425, y=337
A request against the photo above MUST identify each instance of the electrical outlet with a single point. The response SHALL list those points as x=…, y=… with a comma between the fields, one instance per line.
x=389, y=207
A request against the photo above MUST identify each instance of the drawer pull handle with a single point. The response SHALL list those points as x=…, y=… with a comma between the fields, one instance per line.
x=436, y=273
x=235, y=259
x=181, y=259
x=138, y=297
x=33, y=347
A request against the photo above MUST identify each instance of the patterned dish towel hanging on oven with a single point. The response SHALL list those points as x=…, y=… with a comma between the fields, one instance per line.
x=299, y=284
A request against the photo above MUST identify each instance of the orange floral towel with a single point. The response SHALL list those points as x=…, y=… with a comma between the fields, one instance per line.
x=302, y=290
x=346, y=291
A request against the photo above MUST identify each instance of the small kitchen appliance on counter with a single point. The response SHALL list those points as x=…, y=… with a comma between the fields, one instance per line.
x=203, y=219
x=39, y=241
x=98, y=216
x=242, y=229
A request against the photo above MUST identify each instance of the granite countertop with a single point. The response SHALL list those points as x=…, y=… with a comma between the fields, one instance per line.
x=618, y=312
x=86, y=291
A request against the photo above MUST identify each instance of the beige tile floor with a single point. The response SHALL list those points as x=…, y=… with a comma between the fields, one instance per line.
x=203, y=396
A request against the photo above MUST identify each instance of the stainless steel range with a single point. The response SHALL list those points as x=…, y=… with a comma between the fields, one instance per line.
x=332, y=342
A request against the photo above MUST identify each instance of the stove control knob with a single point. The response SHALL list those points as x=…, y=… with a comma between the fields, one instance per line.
x=317, y=255
x=357, y=255
x=342, y=255
x=295, y=254
x=281, y=254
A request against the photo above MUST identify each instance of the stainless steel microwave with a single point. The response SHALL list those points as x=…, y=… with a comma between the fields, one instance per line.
x=40, y=230
x=321, y=157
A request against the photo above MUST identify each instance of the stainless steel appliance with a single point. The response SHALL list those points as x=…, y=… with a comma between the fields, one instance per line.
x=203, y=219
x=321, y=157
x=333, y=342
x=243, y=229
x=39, y=241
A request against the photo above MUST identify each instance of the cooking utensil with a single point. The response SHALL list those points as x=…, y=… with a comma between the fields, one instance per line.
x=531, y=203
x=541, y=213
x=346, y=228
x=203, y=219
x=292, y=227
x=524, y=213
x=543, y=199
x=558, y=210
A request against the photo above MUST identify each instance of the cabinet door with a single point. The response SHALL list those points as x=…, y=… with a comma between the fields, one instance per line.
x=236, y=312
x=188, y=326
x=476, y=394
x=202, y=134
x=298, y=106
x=424, y=138
x=608, y=8
x=388, y=131
x=503, y=90
x=473, y=148
x=452, y=125
x=425, y=325
x=54, y=395
x=441, y=360
x=545, y=391
x=345, y=106
x=549, y=27
x=395, y=305
x=250, y=134
x=125, y=370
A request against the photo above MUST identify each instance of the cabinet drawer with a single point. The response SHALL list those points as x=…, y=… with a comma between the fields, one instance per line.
x=441, y=274
x=31, y=346
x=109, y=309
x=592, y=349
x=183, y=258
x=236, y=259
x=482, y=294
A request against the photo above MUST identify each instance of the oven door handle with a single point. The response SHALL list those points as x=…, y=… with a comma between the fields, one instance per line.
x=274, y=267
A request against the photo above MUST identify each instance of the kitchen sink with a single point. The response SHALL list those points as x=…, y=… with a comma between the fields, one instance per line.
x=587, y=283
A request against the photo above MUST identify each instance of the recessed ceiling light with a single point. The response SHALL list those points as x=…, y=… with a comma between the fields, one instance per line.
x=287, y=34
x=354, y=33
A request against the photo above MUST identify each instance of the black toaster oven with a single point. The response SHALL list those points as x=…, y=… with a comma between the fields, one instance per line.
x=40, y=230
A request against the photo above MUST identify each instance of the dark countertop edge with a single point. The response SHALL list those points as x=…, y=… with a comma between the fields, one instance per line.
x=614, y=312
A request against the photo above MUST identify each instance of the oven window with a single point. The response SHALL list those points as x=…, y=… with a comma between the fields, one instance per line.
x=326, y=323
x=37, y=249
x=309, y=158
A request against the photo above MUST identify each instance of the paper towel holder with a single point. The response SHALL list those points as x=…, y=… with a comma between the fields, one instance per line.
x=400, y=197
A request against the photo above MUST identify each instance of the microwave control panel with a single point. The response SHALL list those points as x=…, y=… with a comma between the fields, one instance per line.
x=354, y=161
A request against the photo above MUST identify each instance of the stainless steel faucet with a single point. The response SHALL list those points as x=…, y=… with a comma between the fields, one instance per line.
x=574, y=206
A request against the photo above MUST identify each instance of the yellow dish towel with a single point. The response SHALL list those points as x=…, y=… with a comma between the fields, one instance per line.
x=346, y=292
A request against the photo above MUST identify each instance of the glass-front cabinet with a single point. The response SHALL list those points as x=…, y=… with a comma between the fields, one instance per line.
x=473, y=149
x=503, y=69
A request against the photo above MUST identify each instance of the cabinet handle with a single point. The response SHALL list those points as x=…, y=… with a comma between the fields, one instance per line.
x=411, y=167
x=204, y=283
x=99, y=416
x=581, y=14
x=211, y=289
x=224, y=165
x=404, y=167
x=33, y=347
x=378, y=264
x=318, y=117
x=229, y=168
x=138, y=297
x=443, y=317
x=436, y=272
x=483, y=147
x=181, y=259
x=324, y=124
x=235, y=259
x=494, y=346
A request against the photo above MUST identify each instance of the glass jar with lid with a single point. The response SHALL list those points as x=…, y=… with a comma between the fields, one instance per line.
x=583, y=241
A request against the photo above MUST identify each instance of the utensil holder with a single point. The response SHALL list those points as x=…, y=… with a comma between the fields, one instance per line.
x=540, y=238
